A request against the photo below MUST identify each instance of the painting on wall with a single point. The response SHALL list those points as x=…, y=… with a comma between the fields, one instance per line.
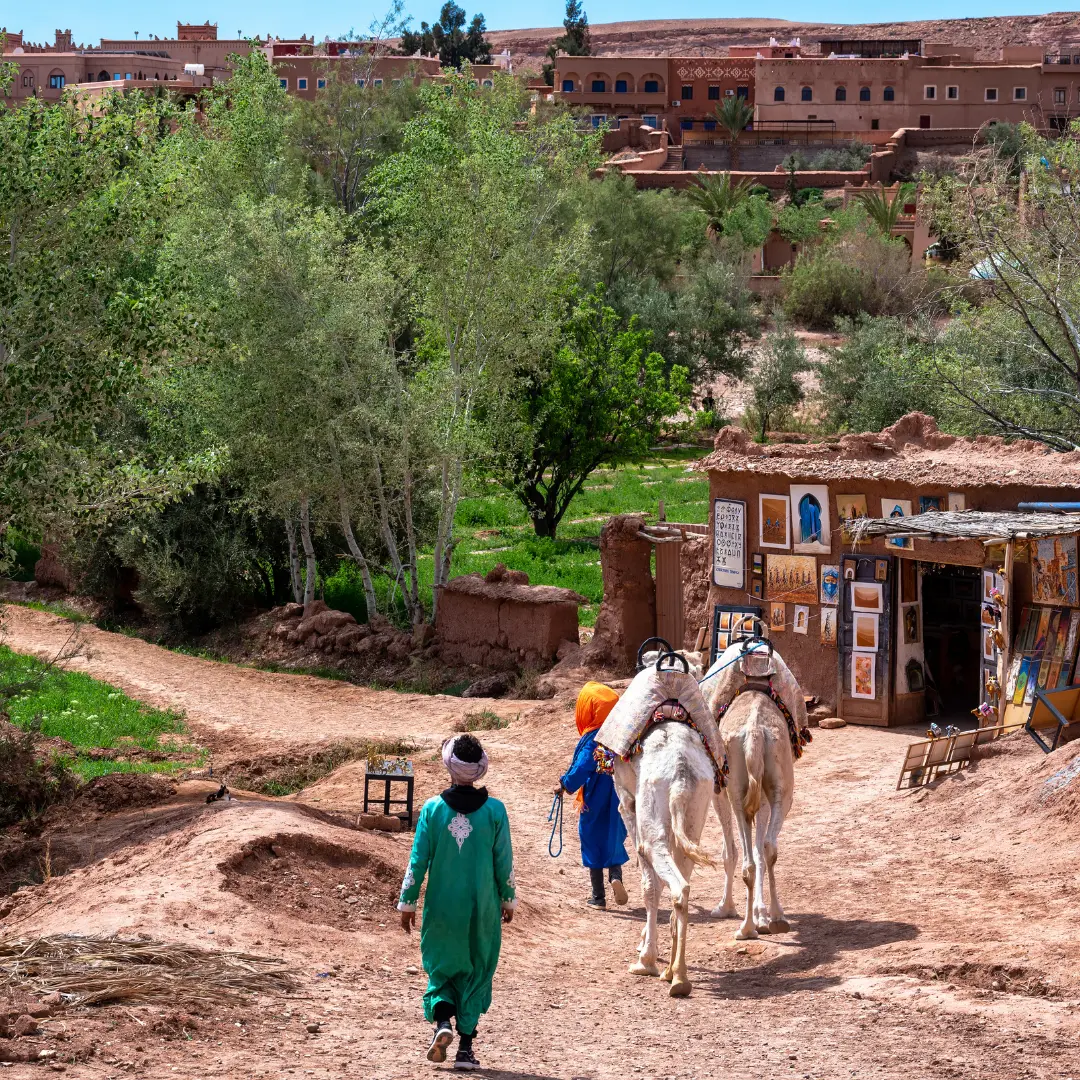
x=801, y=622
x=911, y=624
x=989, y=653
x=830, y=584
x=914, y=672
x=774, y=521
x=1053, y=571
x=791, y=578
x=881, y=569
x=898, y=508
x=956, y=501
x=777, y=617
x=864, y=632
x=849, y=569
x=848, y=508
x=863, y=677
x=828, y=626
x=990, y=582
x=758, y=565
x=930, y=502
x=810, y=519
x=867, y=596
x=756, y=589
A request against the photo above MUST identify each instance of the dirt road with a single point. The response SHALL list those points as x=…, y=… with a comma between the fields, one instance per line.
x=906, y=911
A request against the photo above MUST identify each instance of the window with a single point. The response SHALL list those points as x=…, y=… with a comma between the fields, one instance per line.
x=778, y=94
x=714, y=93
x=116, y=76
x=362, y=82
x=929, y=93
x=990, y=94
x=56, y=82
x=127, y=74
x=742, y=91
x=301, y=84
x=687, y=93
x=686, y=125
x=598, y=86
x=709, y=125
x=283, y=83
x=652, y=86
x=598, y=119
x=841, y=93
x=620, y=86
x=924, y=121
x=952, y=93
x=568, y=86
x=875, y=124
x=28, y=80
x=888, y=94
x=1019, y=93
x=807, y=93
x=864, y=93
x=649, y=120
x=320, y=84
x=1060, y=97
x=377, y=83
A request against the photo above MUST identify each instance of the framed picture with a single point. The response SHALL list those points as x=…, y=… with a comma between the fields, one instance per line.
x=991, y=581
x=757, y=588
x=729, y=543
x=863, y=676
x=896, y=509
x=801, y=622
x=1071, y=642
x=849, y=569
x=989, y=653
x=911, y=624
x=867, y=596
x=791, y=578
x=777, y=617
x=1053, y=571
x=758, y=564
x=909, y=581
x=810, y=519
x=848, y=508
x=725, y=620
x=931, y=502
x=914, y=672
x=956, y=501
x=828, y=626
x=830, y=584
x=864, y=632
x=774, y=521
x=881, y=570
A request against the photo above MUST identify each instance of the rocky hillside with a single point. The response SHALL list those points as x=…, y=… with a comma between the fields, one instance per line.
x=692, y=37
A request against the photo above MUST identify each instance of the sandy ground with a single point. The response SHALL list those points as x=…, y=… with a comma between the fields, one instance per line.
x=904, y=908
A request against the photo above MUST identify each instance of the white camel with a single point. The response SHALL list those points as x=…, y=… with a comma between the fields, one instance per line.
x=761, y=780
x=664, y=790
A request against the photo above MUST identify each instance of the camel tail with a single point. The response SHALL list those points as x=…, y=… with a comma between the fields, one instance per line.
x=754, y=751
x=694, y=852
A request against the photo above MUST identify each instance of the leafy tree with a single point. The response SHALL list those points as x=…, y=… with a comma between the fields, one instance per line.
x=603, y=398
x=882, y=211
x=450, y=39
x=774, y=384
x=734, y=114
x=573, y=42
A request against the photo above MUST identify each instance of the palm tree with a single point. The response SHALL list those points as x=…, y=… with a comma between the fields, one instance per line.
x=882, y=211
x=734, y=115
x=716, y=196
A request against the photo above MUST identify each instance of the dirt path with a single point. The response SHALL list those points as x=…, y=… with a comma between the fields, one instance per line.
x=904, y=909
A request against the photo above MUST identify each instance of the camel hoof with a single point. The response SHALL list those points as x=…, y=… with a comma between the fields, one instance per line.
x=722, y=912
x=680, y=988
x=745, y=935
x=779, y=926
x=667, y=975
x=641, y=968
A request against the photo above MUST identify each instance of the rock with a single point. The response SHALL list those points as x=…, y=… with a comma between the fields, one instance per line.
x=830, y=723
x=316, y=607
x=423, y=634
x=489, y=686
x=25, y=1025
x=412, y=969
x=281, y=631
x=53, y=999
x=291, y=611
x=39, y=1012
x=499, y=574
x=399, y=649
x=368, y=821
x=389, y=823
x=313, y=1028
x=323, y=622
x=44, y=1055
x=352, y=899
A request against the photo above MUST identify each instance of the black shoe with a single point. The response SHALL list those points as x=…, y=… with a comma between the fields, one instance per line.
x=441, y=1038
x=466, y=1060
x=599, y=902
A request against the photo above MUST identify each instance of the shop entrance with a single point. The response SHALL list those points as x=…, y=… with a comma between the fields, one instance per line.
x=952, y=642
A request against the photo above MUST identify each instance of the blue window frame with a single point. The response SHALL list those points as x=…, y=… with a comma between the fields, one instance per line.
x=742, y=91
x=710, y=125
x=321, y=84
x=841, y=93
x=864, y=93
x=652, y=86
x=620, y=86
x=888, y=94
x=568, y=86
x=807, y=93
x=778, y=94
x=686, y=125
x=598, y=86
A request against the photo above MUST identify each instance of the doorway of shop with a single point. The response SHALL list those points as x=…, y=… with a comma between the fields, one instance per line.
x=952, y=642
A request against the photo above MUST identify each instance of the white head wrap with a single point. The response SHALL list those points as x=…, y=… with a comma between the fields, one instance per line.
x=463, y=772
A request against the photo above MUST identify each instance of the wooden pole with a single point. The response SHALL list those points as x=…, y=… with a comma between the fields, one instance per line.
x=1005, y=660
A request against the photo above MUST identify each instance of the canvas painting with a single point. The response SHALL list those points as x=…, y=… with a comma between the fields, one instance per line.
x=1041, y=629
x=848, y=508
x=774, y=521
x=830, y=584
x=756, y=589
x=828, y=626
x=792, y=578
x=881, y=569
x=758, y=565
x=1032, y=681
x=810, y=519
x=864, y=632
x=1053, y=571
x=911, y=624
x=956, y=501
x=801, y=621
x=930, y=502
x=898, y=508
x=867, y=596
x=863, y=680
x=915, y=680
x=777, y=617
x=989, y=653
x=849, y=569
x=991, y=581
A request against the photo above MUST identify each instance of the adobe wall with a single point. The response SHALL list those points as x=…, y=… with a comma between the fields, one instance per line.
x=775, y=181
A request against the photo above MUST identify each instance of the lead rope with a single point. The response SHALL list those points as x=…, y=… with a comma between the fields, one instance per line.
x=555, y=816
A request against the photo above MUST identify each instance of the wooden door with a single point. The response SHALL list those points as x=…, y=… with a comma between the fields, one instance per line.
x=858, y=628
x=669, y=599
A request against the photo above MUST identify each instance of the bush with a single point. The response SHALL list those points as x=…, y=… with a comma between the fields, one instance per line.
x=843, y=158
x=344, y=591
x=484, y=720
x=28, y=783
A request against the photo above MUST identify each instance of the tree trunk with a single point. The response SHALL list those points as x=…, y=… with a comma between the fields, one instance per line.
x=358, y=556
x=309, y=551
x=734, y=153
x=294, y=560
x=545, y=525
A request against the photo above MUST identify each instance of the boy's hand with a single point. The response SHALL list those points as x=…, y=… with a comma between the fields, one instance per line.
x=508, y=915
x=559, y=790
x=408, y=921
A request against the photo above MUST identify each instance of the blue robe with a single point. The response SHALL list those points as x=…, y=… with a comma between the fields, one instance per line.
x=600, y=825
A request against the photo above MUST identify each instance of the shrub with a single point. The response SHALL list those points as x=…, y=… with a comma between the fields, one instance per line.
x=843, y=158
x=29, y=783
x=344, y=591
x=484, y=720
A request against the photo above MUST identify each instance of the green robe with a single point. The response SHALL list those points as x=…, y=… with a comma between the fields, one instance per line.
x=471, y=878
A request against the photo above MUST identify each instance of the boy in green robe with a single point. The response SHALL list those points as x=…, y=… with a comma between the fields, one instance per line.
x=463, y=844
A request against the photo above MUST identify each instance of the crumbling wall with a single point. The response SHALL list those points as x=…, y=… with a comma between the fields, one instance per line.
x=694, y=566
x=628, y=613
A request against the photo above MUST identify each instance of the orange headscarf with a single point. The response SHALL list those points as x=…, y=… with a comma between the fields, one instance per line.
x=593, y=704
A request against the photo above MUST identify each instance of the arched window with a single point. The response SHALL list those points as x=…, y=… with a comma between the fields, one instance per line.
x=841, y=93
x=864, y=93
x=778, y=94
x=889, y=94
x=568, y=86
x=598, y=86
x=807, y=94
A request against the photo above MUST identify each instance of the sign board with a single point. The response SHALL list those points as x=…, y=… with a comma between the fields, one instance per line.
x=729, y=543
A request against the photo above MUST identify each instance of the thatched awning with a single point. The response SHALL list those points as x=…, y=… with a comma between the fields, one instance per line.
x=987, y=526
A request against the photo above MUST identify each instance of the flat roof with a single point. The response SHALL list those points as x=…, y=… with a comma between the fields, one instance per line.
x=969, y=525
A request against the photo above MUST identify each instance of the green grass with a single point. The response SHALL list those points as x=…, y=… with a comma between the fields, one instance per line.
x=484, y=720
x=91, y=715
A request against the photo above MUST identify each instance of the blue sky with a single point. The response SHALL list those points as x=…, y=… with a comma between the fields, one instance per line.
x=119, y=18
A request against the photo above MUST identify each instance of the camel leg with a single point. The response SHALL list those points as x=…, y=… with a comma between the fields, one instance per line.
x=650, y=890
x=746, y=930
x=680, y=984
x=669, y=972
x=675, y=877
x=726, y=908
x=761, y=912
x=778, y=924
